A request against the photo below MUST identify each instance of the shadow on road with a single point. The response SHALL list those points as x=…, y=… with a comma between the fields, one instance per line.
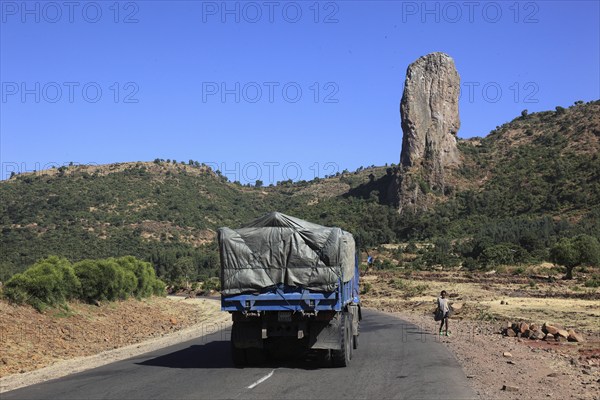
x=217, y=354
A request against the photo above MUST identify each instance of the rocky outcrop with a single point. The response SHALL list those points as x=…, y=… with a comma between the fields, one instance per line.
x=430, y=121
x=429, y=112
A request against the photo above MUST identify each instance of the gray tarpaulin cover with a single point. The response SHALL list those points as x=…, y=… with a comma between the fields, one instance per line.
x=277, y=248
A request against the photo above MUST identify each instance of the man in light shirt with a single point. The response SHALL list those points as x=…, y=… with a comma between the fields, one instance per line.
x=444, y=307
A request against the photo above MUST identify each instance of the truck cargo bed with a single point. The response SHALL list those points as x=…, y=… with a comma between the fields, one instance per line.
x=285, y=298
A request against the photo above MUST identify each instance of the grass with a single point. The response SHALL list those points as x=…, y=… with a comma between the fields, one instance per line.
x=64, y=311
x=408, y=288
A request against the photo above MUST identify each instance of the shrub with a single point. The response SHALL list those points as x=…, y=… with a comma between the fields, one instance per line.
x=594, y=282
x=518, y=271
x=532, y=284
x=143, y=271
x=423, y=185
x=53, y=280
x=411, y=248
x=105, y=280
x=159, y=288
x=50, y=281
x=211, y=284
x=366, y=288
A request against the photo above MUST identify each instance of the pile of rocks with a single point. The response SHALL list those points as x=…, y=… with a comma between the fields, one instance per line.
x=548, y=332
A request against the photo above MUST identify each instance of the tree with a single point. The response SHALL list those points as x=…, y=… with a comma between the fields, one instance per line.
x=499, y=254
x=258, y=183
x=182, y=271
x=574, y=252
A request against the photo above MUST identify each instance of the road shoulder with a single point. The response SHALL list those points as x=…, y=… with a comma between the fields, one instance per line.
x=500, y=367
x=213, y=321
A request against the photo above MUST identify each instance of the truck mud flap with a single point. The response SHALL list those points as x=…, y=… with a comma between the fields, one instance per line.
x=325, y=335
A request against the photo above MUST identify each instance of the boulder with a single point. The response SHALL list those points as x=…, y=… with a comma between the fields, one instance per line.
x=536, y=335
x=507, y=354
x=523, y=326
x=549, y=328
x=563, y=333
x=533, y=327
x=549, y=336
x=575, y=337
x=456, y=308
x=510, y=332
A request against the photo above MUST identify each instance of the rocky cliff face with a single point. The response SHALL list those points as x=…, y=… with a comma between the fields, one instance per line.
x=430, y=121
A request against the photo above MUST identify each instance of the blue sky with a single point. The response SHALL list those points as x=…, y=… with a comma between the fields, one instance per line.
x=271, y=90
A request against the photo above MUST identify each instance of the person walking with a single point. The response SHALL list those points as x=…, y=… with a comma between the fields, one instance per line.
x=444, y=310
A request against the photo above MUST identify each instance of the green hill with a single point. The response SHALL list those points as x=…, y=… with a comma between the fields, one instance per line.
x=526, y=184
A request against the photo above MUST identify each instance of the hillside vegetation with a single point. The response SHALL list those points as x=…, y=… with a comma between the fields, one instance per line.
x=520, y=189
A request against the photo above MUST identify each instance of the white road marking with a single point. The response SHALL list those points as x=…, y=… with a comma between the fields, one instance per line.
x=261, y=380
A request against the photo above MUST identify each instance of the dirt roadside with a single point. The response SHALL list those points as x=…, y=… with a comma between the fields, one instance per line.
x=525, y=368
x=37, y=347
x=530, y=370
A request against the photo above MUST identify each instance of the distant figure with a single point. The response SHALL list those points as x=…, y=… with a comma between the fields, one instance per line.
x=369, y=263
x=444, y=310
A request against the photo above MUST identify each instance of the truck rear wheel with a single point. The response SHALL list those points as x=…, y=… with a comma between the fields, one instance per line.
x=238, y=356
x=342, y=357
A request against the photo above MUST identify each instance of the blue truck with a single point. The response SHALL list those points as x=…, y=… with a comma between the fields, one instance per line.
x=291, y=286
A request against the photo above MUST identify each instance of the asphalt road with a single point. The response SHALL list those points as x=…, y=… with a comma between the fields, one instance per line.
x=395, y=360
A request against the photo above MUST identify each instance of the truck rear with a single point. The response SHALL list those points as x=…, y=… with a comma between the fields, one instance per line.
x=290, y=286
